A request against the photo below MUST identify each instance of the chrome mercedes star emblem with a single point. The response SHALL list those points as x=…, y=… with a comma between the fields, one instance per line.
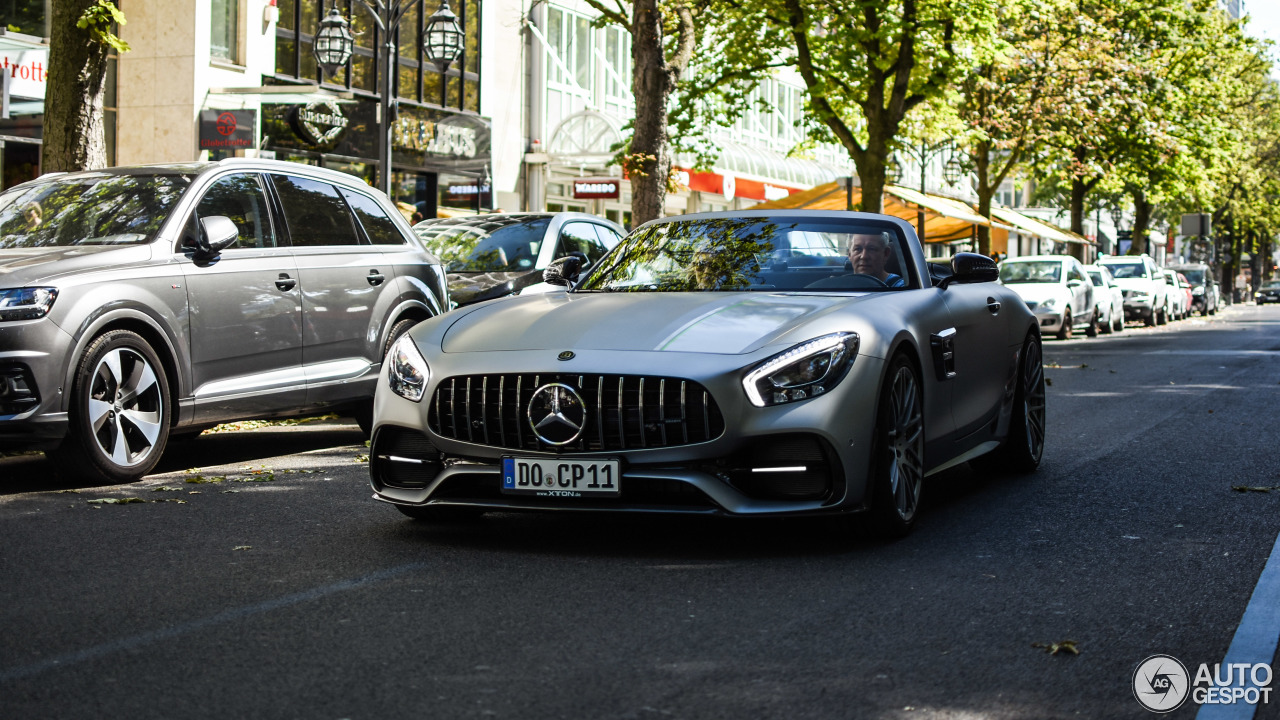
x=557, y=414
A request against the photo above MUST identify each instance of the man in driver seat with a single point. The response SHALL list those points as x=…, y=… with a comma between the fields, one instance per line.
x=868, y=255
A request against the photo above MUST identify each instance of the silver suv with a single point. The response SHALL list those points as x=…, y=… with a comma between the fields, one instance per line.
x=137, y=302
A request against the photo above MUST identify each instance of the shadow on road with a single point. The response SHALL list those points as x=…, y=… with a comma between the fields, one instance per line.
x=34, y=473
x=685, y=538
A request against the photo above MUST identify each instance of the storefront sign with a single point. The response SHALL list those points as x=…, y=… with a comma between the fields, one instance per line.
x=319, y=122
x=597, y=188
x=227, y=129
x=28, y=72
x=463, y=194
x=435, y=138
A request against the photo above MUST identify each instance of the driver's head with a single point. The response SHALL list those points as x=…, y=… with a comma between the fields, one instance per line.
x=868, y=254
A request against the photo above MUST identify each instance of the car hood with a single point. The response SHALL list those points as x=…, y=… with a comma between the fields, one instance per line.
x=467, y=288
x=1038, y=292
x=20, y=267
x=1142, y=284
x=718, y=323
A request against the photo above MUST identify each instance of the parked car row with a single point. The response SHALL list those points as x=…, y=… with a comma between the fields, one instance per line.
x=142, y=303
x=1068, y=296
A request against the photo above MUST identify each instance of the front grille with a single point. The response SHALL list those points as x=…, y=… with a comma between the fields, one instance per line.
x=623, y=412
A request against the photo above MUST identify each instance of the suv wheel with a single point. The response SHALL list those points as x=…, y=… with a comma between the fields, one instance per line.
x=1064, y=332
x=119, y=416
x=1092, y=329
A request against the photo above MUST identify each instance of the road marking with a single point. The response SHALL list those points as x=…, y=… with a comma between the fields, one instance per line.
x=1255, y=639
x=221, y=618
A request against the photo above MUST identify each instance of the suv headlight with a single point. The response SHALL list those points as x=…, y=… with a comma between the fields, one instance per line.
x=806, y=370
x=26, y=303
x=407, y=372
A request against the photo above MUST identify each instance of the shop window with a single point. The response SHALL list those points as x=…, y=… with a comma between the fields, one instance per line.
x=314, y=212
x=224, y=31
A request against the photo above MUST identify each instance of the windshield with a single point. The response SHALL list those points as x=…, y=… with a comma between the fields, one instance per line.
x=754, y=254
x=1035, y=271
x=1195, y=277
x=484, y=243
x=1126, y=270
x=90, y=209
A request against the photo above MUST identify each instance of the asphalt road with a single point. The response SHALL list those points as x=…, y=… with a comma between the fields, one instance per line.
x=289, y=593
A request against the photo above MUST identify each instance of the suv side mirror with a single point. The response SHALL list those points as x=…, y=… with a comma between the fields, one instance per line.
x=971, y=268
x=563, y=271
x=217, y=233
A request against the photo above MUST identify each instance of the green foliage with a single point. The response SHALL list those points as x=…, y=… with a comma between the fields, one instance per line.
x=101, y=19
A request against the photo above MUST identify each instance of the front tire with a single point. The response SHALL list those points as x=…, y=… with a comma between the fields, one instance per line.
x=119, y=415
x=897, y=452
x=1064, y=332
x=1092, y=330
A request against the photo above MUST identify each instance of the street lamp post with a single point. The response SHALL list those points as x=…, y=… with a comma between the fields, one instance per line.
x=444, y=44
x=922, y=153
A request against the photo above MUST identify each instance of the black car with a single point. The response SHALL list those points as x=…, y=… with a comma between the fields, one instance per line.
x=1269, y=293
x=489, y=256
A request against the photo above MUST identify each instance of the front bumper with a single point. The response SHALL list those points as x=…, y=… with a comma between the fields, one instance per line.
x=828, y=436
x=33, y=361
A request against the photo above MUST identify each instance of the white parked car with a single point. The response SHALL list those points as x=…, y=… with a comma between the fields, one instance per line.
x=1056, y=289
x=1179, y=295
x=1146, y=294
x=1110, y=314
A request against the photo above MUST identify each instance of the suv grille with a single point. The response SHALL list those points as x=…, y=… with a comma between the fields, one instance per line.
x=623, y=412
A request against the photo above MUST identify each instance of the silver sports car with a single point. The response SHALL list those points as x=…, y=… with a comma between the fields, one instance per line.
x=748, y=363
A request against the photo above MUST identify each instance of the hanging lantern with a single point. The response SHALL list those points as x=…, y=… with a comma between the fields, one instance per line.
x=1117, y=214
x=953, y=171
x=333, y=42
x=444, y=37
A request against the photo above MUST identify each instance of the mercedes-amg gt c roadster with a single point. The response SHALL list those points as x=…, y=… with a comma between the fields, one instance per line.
x=745, y=364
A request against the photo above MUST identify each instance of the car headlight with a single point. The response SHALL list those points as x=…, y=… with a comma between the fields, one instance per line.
x=806, y=370
x=1197, y=291
x=407, y=372
x=1140, y=295
x=1048, y=304
x=26, y=303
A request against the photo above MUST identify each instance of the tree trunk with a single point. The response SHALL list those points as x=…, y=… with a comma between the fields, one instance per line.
x=1142, y=209
x=871, y=173
x=982, y=165
x=1078, y=193
x=649, y=163
x=73, y=125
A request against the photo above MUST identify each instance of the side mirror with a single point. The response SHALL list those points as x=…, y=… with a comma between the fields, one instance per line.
x=217, y=233
x=971, y=268
x=563, y=271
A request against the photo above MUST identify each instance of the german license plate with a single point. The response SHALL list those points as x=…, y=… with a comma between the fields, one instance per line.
x=556, y=477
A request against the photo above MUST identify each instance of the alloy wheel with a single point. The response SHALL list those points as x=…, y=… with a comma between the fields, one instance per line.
x=906, y=441
x=1033, y=399
x=126, y=407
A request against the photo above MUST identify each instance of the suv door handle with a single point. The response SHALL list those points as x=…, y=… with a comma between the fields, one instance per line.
x=285, y=283
x=375, y=278
x=993, y=305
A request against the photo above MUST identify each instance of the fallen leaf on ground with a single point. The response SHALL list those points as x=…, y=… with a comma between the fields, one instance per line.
x=115, y=501
x=1048, y=381
x=242, y=547
x=1066, y=646
x=166, y=488
x=362, y=458
x=60, y=492
x=201, y=479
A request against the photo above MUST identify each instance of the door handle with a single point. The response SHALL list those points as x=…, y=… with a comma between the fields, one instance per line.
x=375, y=278
x=285, y=283
x=993, y=305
